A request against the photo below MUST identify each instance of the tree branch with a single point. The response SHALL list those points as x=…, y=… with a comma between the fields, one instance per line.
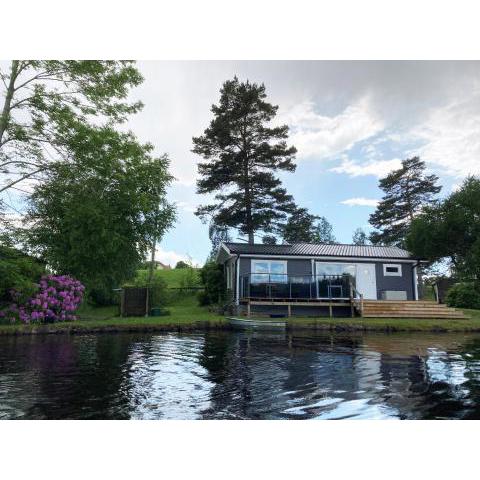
x=22, y=178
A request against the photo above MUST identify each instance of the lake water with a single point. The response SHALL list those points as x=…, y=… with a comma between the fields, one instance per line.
x=240, y=375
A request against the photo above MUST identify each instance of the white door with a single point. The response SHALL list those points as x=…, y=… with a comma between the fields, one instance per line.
x=366, y=280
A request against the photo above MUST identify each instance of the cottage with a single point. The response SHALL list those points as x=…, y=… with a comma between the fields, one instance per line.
x=314, y=278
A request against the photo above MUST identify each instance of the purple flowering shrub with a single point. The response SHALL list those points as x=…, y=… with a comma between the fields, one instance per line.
x=56, y=300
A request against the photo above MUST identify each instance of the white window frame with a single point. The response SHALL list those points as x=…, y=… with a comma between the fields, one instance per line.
x=398, y=273
x=269, y=261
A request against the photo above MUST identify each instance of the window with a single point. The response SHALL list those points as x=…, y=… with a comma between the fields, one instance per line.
x=335, y=269
x=392, y=270
x=333, y=280
x=269, y=271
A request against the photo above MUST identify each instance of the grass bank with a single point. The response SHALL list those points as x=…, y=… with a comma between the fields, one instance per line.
x=186, y=316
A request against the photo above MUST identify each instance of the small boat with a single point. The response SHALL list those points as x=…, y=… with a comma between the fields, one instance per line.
x=257, y=324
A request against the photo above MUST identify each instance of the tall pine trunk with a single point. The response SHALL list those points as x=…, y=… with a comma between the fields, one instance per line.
x=248, y=204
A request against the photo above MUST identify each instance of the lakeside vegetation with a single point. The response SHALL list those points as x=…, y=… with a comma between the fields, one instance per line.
x=185, y=314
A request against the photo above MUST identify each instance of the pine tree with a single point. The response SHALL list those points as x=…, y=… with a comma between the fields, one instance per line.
x=359, y=237
x=407, y=191
x=303, y=227
x=217, y=235
x=242, y=154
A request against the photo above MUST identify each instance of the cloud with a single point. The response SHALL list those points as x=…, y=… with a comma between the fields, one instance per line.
x=360, y=201
x=170, y=257
x=450, y=137
x=377, y=168
x=322, y=136
x=187, y=206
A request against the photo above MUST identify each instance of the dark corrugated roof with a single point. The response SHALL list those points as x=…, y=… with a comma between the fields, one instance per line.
x=319, y=250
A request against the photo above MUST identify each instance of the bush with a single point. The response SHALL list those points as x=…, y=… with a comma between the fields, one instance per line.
x=464, y=295
x=56, y=300
x=159, y=295
x=19, y=274
x=203, y=298
x=182, y=264
x=211, y=275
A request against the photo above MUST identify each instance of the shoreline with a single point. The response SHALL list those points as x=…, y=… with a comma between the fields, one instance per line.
x=81, y=327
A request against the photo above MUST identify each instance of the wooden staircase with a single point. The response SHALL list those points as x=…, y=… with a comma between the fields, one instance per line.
x=408, y=309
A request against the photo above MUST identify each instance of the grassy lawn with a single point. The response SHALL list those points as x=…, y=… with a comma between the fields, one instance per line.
x=174, y=276
x=394, y=324
x=183, y=314
x=186, y=314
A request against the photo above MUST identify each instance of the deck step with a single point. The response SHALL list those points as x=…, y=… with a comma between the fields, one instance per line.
x=394, y=310
x=409, y=309
x=458, y=316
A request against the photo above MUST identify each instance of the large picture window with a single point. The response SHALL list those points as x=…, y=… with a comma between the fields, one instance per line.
x=269, y=271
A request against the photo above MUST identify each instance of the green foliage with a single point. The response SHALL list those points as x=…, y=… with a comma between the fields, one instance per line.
x=464, y=295
x=174, y=278
x=46, y=102
x=269, y=240
x=304, y=227
x=408, y=191
x=451, y=230
x=174, y=285
x=18, y=272
x=189, y=278
x=96, y=218
x=242, y=154
x=159, y=294
x=217, y=235
x=213, y=280
x=359, y=237
x=181, y=264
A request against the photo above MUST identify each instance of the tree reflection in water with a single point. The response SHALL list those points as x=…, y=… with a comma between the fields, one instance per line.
x=238, y=375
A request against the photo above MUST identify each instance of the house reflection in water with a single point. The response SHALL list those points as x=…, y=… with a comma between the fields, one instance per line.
x=338, y=376
x=238, y=375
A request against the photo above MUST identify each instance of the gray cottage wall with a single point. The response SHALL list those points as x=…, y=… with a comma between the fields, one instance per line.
x=304, y=267
x=405, y=282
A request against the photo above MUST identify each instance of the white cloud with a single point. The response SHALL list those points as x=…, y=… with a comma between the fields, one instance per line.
x=321, y=136
x=450, y=137
x=187, y=206
x=171, y=258
x=377, y=168
x=360, y=201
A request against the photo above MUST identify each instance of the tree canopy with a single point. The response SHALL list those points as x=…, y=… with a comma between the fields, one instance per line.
x=450, y=230
x=96, y=218
x=45, y=101
x=303, y=226
x=359, y=237
x=408, y=191
x=242, y=153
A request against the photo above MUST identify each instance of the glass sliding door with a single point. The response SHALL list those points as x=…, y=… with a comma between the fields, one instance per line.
x=333, y=279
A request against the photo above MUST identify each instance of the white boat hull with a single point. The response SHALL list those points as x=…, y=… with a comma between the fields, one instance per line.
x=249, y=323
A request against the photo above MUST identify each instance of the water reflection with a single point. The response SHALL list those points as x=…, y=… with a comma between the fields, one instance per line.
x=240, y=375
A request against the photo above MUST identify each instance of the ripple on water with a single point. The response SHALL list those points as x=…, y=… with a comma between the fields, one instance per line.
x=229, y=375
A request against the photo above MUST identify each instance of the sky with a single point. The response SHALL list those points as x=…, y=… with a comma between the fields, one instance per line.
x=351, y=121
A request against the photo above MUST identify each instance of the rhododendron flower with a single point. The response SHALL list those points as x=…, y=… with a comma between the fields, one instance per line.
x=56, y=296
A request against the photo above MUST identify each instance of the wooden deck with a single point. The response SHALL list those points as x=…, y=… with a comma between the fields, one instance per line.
x=299, y=302
x=364, y=308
